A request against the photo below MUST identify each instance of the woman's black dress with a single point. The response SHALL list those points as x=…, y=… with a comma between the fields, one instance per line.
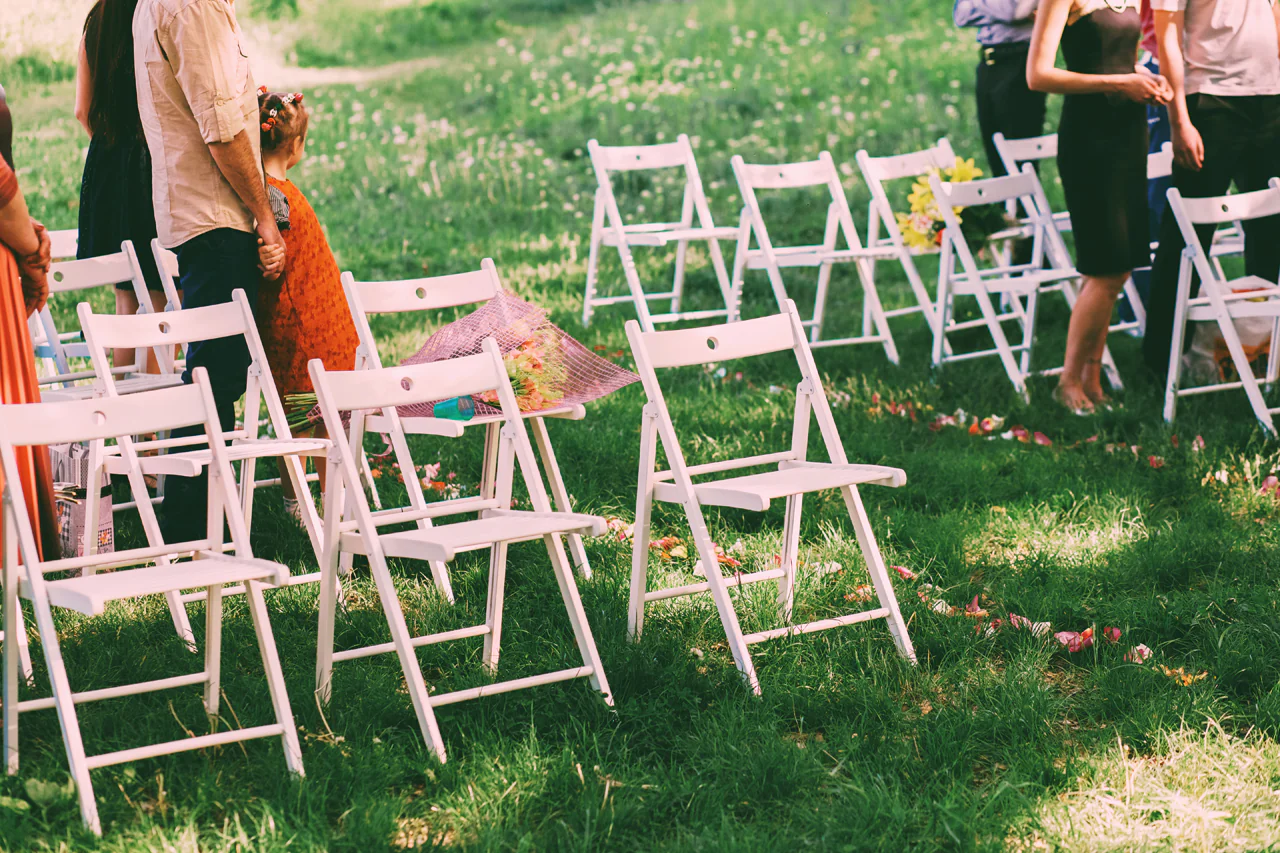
x=116, y=205
x=1102, y=148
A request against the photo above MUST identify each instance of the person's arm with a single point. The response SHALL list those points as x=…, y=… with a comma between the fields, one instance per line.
x=1043, y=76
x=205, y=55
x=1188, y=147
x=84, y=89
x=25, y=238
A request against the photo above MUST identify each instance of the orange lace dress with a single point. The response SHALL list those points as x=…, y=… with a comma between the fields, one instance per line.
x=18, y=385
x=304, y=314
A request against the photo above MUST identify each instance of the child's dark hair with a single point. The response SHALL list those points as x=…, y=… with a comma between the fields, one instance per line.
x=282, y=116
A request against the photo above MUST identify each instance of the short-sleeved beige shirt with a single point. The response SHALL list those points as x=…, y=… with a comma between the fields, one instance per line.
x=195, y=87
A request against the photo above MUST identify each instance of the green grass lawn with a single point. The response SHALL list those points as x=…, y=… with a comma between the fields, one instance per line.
x=991, y=742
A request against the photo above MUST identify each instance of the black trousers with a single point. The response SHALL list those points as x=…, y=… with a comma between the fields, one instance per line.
x=210, y=267
x=1241, y=145
x=1005, y=104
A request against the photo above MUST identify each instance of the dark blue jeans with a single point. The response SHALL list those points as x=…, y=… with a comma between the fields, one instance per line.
x=210, y=267
x=1157, y=189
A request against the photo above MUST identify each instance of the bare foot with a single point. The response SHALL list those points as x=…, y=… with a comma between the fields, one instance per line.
x=1098, y=397
x=1072, y=396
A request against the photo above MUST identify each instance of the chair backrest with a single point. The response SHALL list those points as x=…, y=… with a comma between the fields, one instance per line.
x=103, y=419
x=64, y=244
x=365, y=298
x=744, y=339
x=383, y=390
x=167, y=267
x=877, y=171
x=174, y=328
x=1023, y=189
x=60, y=346
x=811, y=173
x=1014, y=152
x=1160, y=163
x=632, y=158
x=1217, y=210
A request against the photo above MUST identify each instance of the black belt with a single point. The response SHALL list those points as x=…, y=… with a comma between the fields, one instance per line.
x=992, y=54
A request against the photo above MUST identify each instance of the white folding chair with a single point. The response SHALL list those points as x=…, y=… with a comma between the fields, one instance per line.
x=1049, y=266
x=187, y=457
x=61, y=348
x=360, y=529
x=793, y=477
x=877, y=171
x=1016, y=152
x=631, y=158
x=367, y=298
x=1223, y=300
x=813, y=173
x=64, y=244
x=97, y=420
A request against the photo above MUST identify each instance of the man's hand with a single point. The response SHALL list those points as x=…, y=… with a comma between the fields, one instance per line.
x=271, y=250
x=1188, y=147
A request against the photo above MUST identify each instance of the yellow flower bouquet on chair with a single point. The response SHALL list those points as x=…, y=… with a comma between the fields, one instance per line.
x=922, y=227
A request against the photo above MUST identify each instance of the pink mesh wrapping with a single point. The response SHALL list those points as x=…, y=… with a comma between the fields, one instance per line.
x=559, y=371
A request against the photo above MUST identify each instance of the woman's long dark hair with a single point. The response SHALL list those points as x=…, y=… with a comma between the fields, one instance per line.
x=108, y=44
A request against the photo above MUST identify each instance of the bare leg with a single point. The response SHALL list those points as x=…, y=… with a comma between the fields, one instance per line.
x=126, y=303
x=1079, y=386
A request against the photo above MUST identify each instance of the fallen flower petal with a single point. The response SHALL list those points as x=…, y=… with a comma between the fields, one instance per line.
x=1173, y=439
x=1269, y=486
x=1155, y=461
x=1198, y=444
x=1043, y=440
x=1138, y=654
x=862, y=593
x=1112, y=634
x=974, y=609
x=904, y=573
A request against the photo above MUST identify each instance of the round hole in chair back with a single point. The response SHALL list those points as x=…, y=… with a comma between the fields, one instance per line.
x=712, y=343
x=165, y=328
x=406, y=384
x=421, y=293
x=1224, y=207
x=99, y=418
x=59, y=276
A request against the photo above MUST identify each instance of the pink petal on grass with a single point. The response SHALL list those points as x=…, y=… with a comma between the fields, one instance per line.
x=1270, y=485
x=1196, y=446
x=1043, y=440
x=1112, y=634
x=904, y=573
x=1155, y=461
x=1138, y=654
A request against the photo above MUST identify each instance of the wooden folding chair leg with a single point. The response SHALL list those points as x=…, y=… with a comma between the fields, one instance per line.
x=1247, y=379
x=722, y=277
x=577, y=616
x=593, y=260
x=879, y=573
x=370, y=484
x=738, y=279
x=329, y=581
x=493, y=606
x=11, y=654
x=559, y=494
x=790, y=557
x=67, y=720
x=409, y=665
x=640, y=530
x=275, y=676
x=724, y=604
x=212, y=649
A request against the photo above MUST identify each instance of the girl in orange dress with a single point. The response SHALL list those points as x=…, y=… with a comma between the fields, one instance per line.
x=304, y=314
x=24, y=263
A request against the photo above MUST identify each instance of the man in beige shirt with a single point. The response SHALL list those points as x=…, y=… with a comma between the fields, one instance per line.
x=199, y=110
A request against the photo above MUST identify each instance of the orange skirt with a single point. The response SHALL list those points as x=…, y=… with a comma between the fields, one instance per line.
x=18, y=385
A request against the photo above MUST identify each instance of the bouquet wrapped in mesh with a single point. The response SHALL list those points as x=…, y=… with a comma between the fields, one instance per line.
x=548, y=368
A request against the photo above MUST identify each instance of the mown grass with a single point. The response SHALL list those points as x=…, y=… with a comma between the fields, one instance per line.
x=992, y=742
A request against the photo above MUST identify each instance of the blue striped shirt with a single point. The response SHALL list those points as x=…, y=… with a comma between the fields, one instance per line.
x=998, y=21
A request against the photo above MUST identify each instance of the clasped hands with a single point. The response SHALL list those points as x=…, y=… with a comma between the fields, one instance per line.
x=33, y=270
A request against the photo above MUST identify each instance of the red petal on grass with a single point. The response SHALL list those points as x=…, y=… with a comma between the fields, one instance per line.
x=1112, y=634
x=904, y=573
x=1174, y=441
x=1155, y=461
x=1043, y=440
